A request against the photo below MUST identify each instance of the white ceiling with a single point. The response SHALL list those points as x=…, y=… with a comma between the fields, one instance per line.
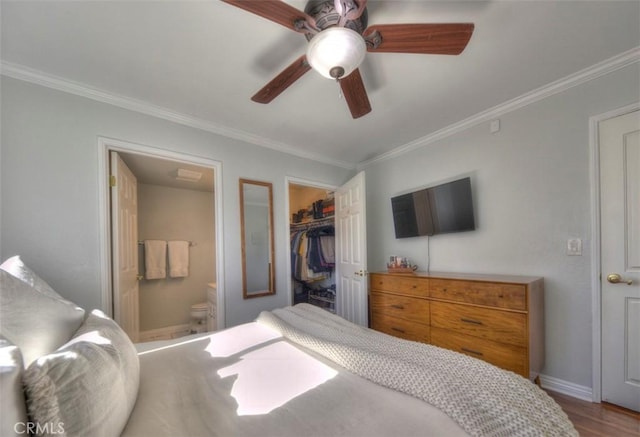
x=203, y=60
x=164, y=172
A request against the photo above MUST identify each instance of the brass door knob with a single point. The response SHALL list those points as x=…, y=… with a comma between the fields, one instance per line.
x=615, y=278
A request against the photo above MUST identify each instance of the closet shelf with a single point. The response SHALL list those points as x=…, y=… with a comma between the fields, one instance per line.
x=312, y=224
x=322, y=299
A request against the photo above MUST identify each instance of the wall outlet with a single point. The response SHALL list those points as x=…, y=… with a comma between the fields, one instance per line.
x=574, y=247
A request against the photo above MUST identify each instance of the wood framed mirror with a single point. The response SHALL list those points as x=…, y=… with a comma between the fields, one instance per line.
x=256, y=219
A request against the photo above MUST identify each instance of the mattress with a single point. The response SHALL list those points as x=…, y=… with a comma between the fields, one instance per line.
x=250, y=381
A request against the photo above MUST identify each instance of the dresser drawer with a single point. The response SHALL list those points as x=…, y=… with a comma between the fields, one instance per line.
x=511, y=296
x=409, y=285
x=400, y=327
x=496, y=325
x=502, y=355
x=408, y=308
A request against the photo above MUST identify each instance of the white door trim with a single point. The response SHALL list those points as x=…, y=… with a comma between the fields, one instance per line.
x=596, y=290
x=288, y=180
x=105, y=145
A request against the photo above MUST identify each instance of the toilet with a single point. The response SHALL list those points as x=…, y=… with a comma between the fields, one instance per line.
x=199, y=313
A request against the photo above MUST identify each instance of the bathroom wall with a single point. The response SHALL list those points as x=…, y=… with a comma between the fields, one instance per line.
x=176, y=214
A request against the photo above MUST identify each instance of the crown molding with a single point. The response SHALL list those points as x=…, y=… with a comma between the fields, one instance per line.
x=26, y=74
x=595, y=71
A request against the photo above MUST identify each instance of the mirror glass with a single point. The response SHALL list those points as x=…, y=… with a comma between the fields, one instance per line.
x=256, y=214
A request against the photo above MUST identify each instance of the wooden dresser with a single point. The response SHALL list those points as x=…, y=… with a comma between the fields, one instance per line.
x=497, y=318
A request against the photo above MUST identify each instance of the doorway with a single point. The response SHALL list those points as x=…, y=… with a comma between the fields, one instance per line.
x=312, y=230
x=177, y=208
x=616, y=155
x=350, y=282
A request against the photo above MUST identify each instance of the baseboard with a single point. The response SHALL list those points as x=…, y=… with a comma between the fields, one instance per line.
x=566, y=387
x=166, y=333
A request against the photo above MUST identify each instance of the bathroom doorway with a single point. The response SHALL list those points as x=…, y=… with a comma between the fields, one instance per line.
x=177, y=204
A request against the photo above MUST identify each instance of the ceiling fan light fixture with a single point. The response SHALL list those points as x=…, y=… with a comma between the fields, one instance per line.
x=336, y=52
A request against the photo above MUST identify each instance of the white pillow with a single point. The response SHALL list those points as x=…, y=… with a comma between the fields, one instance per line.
x=19, y=269
x=35, y=322
x=13, y=419
x=89, y=386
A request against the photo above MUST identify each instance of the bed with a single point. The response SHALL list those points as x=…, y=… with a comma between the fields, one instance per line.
x=294, y=371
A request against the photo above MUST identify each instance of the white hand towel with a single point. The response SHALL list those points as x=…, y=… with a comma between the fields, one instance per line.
x=178, y=259
x=155, y=259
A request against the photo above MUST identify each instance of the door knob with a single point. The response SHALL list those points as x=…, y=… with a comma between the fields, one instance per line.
x=615, y=278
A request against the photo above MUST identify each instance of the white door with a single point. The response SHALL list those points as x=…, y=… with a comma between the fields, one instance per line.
x=351, y=251
x=124, y=250
x=619, y=141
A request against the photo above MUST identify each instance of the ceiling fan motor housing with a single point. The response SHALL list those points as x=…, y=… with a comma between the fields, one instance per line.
x=325, y=14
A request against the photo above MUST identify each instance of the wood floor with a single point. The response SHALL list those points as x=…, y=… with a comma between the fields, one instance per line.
x=592, y=419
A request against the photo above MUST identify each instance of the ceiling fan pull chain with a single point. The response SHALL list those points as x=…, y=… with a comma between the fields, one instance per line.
x=339, y=88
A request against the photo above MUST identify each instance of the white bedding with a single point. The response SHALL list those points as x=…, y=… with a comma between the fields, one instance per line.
x=483, y=399
x=275, y=377
x=249, y=381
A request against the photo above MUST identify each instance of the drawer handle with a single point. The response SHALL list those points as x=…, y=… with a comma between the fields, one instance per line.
x=471, y=351
x=471, y=321
x=393, y=328
x=398, y=307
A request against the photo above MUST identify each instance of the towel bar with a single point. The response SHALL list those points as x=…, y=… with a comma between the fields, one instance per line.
x=191, y=243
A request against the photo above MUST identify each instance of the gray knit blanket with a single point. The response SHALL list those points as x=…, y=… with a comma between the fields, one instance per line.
x=483, y=399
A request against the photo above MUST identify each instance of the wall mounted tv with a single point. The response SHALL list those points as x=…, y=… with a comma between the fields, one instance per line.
x=435, y=210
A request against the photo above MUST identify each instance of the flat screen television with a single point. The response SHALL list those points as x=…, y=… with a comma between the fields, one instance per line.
x=435, y=210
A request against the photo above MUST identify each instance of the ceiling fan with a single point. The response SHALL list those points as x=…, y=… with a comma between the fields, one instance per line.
x=339, y=38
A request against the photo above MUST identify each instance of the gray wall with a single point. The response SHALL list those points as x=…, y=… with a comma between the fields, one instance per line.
x=166, y=213
x=531, y=188
x=49, y=185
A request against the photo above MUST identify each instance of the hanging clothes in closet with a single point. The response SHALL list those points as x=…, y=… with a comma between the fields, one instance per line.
x=313, y=253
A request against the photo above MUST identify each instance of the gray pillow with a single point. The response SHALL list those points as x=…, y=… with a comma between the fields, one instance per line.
x=13, y=419
x=89, y=386
x=36, y=322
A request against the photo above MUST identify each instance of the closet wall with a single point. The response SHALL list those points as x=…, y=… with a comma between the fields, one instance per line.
x=176, y=214
x=312, y=227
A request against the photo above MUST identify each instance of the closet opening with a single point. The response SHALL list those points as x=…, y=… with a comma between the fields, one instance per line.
x=312, y=244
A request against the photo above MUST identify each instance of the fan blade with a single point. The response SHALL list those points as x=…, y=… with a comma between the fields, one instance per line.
x=355, y=94
x=432, y=38
x=282, y=81
x=276, y=11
